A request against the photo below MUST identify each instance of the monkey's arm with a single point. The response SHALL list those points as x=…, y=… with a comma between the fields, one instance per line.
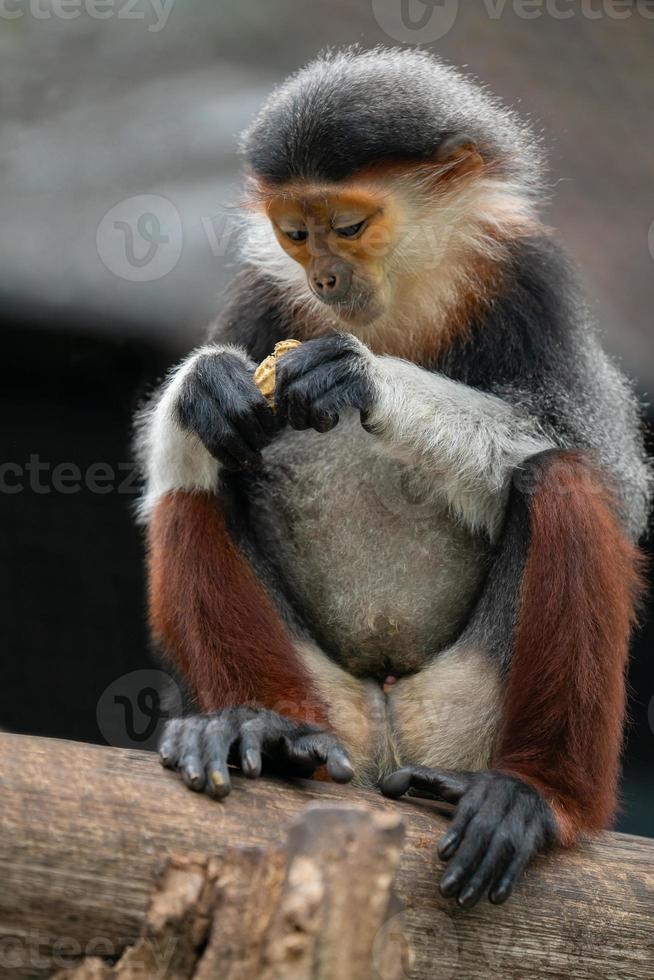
x=207, y=414
x=216, y=612
x=554, y=617
x=169, y=456
x=467, y=442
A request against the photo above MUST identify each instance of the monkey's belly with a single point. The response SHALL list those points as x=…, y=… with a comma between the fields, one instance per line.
x=382, y=573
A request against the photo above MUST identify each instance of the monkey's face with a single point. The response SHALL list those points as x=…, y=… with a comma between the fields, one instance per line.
x=342, y=238
x=364, y=244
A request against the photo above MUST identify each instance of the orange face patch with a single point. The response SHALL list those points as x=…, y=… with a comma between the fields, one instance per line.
x=361, y=219
x=357, y=225
x=369, y=245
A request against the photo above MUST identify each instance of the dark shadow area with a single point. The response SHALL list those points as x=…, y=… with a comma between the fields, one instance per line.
x=72, y=584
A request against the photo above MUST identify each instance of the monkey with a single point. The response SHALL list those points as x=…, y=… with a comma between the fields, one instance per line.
x=419, y=570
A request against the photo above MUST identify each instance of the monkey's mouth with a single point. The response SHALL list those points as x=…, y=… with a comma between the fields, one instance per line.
x=358, y=310
x=357, y=316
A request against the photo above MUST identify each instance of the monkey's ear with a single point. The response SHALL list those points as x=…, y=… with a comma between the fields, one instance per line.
x=459, y=154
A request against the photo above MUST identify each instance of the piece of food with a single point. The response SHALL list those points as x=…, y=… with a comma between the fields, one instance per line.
x=264, y=376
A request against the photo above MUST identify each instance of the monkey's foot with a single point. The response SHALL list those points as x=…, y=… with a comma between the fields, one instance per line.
x=201, y=746
x=499, y=824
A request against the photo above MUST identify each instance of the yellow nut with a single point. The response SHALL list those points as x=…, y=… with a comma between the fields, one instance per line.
x=264, y=376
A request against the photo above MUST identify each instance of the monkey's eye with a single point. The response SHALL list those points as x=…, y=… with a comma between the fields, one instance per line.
x=298, y=235
x=350, y=231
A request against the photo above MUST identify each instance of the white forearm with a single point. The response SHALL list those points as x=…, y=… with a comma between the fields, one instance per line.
x=470, y=441
x=170, y=457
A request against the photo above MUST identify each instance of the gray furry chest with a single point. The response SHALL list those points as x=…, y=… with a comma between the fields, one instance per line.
x=382, y=573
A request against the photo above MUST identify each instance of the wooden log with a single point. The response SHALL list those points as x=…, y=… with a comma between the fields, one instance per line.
x=84, y=829
x=309, y=911
x=175, y=929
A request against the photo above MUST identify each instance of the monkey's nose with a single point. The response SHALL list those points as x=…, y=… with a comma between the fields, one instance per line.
x=325, y=283
x=331, y=281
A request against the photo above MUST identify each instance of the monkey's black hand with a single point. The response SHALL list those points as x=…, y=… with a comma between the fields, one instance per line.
x=499, y=824
x=200, y=747
x=220, y=402
x=316, y=381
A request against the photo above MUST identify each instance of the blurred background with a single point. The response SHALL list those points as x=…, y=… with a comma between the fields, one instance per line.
x=119, y=178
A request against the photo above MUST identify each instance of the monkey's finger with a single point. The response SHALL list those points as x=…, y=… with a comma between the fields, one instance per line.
x=448, y=784
x=344, y=394
x=444, y=783
x=224, y=458
x=315, y=749
x=339, y=765
x=302, y=413
x=169, y=745
x=219, y=736
x=250, y=757
x=207, y=423
x=508, y=876
x=324, y=415
x=324, y=421
x=190, y=762
x=250, y=748
x=491, y=868
x=265, y=415
x=472, y=847
x=296, y=409
x=250, y=432
x=232, y=445
x=216, y=439
x=248, y=421
x=298, y=400
x=326, y=387
x=230, y=402
x=239, y=445
x=308, y=386
x=397, y=783
x=323, y=749
x=466, y=809
x=306, y=751
x=313, y=354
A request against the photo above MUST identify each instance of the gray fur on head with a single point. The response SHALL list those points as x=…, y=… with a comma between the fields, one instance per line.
x=351, y=108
